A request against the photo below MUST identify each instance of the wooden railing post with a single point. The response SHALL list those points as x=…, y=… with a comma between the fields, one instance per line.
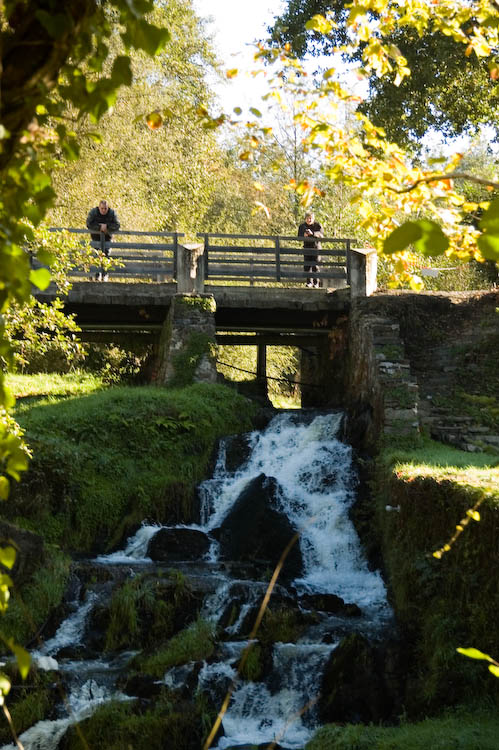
x=363, y=271
x=277, y=259
x=190, y=271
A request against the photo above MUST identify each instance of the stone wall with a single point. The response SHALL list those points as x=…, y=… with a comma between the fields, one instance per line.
x=380, y=392
x=188, y=344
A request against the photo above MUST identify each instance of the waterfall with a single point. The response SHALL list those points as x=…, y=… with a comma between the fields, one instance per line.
x=316, y=485
x=317, y=488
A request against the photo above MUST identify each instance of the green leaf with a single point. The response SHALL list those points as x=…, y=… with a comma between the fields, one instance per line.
x=45, y=257
x=494, y=670
x=489, y=246
x=255, y=112
x=8, y=556
x=401, y=237
x=22, y=657
x=122, y=72
x=490, y=220
x=143, y=35
x=40, y=278
x=474, y=653
x=320, y=24
x=56, y=23
x=4, y=684
x=433, y=241
x=426, y=236
x=4, y=488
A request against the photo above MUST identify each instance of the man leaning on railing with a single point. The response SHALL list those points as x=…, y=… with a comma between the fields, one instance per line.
x=102, y=221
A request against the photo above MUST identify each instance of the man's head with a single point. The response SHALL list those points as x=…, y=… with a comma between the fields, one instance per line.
x=103, y=207
x=309, y=218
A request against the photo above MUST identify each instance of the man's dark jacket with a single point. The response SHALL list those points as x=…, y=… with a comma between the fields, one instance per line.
x=95, y=219
x=311, y=243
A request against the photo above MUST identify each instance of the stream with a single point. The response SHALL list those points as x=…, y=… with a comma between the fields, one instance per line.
x=314, y=488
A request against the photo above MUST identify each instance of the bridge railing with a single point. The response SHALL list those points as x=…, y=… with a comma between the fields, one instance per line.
x=252, y=258
x=138, y=258
x=233, y=259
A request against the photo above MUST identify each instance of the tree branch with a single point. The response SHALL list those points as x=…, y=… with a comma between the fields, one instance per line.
x=448, y=176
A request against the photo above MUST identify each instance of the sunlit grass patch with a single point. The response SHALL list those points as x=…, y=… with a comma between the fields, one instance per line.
x=445, y=463
x=54, y=384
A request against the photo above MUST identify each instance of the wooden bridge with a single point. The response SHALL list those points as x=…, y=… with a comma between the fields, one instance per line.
x=257, y=284
x=223, y=259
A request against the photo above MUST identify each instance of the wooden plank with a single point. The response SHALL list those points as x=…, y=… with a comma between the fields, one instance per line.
x=295, y=238
x=146, y=246
x=146, y=258
x=120, y=232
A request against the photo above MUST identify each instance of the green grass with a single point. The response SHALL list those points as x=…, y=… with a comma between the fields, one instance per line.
x=104, y=461
x=194, y=643
x=443, y=462
x=30, y=607
x=53, y=385
x=460, y=730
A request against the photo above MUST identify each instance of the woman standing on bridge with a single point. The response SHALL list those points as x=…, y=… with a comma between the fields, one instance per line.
x=311, y=228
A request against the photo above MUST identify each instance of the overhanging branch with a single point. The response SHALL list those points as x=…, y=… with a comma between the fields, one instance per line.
x=448, y=176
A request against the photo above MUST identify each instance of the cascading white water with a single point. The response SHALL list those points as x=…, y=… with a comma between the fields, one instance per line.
x=317, y=488
x=314, y=471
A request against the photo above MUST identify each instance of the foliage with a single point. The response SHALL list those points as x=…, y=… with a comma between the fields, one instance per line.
x=446, y=90
x=36, y=88
x=95, y=469
x=463, y=729
x=387, y=185
x=238, y=364
x=159, y=179
x=31, y=606
x=168, y=723
x=147, y=611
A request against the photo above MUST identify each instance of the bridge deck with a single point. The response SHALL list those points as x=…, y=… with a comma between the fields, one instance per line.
x=121, y=306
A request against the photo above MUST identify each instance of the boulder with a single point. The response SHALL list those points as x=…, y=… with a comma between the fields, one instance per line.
x=237, y=451
x=178, y=544
x=331, y=603
x=254, y=530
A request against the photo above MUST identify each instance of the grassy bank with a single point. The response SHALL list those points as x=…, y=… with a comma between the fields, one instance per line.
x=437, y=523
x=103, y=462
x=466, y=730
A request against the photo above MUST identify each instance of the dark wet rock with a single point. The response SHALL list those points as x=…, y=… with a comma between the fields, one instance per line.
x=331, y=603
x=29, y=547
x=237, y=451
x=356, y=685
x=254, y=530
x=75, y=653
x=142, y=686
x=175, y=545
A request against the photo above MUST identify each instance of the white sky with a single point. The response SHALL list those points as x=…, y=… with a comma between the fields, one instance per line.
x=236, y=24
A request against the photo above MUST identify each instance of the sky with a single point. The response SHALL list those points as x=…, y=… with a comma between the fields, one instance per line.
x=235, y=25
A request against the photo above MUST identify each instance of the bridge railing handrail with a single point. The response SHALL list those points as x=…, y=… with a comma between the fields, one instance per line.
x=273, y=261
x=263, y=259
x=158, y=259
x=119, y=231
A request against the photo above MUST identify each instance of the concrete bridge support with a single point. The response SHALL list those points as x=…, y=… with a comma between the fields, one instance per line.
x=187, y=348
